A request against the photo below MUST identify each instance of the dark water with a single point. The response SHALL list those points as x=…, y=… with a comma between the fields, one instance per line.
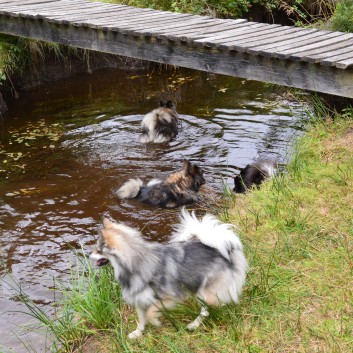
x=54, y=188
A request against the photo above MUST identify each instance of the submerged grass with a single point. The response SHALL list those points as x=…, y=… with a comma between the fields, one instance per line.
x=297, y=233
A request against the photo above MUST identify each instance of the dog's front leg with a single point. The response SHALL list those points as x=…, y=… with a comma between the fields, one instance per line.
x=141, y=314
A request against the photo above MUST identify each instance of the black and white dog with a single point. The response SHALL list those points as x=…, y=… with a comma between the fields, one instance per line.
x=204, y=258
x=160, y=125
x=177, y=189
x=254, y=174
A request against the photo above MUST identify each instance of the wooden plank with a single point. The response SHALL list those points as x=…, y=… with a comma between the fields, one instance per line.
x=338, y=60
x=253, y=38
x=253, y=47
x=212, y=24
x=119, y=13
x=24, y=3
x=310, y=36
x=213, y=41
x=293, y=34
x=315, y=55
x=122, y=23
x=149, y=22
x=186, y=22
x=276, y=34
x=87, y=17
x=189, y=35
x=344, y=63
x=64, y=11
x=156, y=16
x=331, y=38
x=16, y=8
x=189, y=22
x=32, y=10
x=112, y=25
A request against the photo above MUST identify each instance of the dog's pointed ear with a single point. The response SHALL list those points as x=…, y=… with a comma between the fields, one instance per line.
x=161, y=104
x=193, y=169
x=186, y=166
x=106, y=222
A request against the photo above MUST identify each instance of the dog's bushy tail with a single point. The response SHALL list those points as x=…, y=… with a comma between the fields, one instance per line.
x=220, y=236
x=129, y=189
x=267, y=167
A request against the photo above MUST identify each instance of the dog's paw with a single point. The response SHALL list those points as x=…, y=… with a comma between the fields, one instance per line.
x=135, y=334
x=156, y=322
x=193, y=325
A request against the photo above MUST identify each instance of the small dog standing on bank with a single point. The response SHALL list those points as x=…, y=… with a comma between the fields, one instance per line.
x=254, y=175
x=204, y=258
x=160, y=125
x=179, y=188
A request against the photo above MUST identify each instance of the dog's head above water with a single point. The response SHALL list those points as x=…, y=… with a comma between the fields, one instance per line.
x=189, y=177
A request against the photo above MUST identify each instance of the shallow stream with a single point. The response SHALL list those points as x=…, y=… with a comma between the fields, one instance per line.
x=65, y=146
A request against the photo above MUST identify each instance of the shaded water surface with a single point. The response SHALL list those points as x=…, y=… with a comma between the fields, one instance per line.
x=55, y=188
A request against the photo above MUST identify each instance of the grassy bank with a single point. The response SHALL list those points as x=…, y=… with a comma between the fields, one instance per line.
x=297, y=233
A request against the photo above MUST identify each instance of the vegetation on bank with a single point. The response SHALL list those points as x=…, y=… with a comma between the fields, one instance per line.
x=298, y=238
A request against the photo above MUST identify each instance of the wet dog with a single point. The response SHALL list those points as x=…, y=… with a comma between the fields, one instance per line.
x=179, y=188
x=204, y=258
x=160, y=125
x=254, y=174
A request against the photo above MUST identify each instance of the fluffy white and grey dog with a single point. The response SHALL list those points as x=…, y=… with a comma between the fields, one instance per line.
x=160, y=125
x=203, y=258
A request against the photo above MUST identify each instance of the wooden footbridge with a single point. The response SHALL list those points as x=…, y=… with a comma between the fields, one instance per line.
x=303, y=58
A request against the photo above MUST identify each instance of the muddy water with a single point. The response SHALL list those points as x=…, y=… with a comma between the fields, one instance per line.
x=55, y=188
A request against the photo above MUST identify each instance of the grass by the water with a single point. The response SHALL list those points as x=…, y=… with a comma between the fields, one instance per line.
x=298, y=239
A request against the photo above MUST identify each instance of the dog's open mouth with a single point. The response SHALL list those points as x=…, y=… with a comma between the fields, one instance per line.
x=102, y=262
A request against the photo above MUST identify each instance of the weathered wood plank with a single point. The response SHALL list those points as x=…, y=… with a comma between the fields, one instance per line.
x=188, y=22
x=340, y=61
x=256, y=47
x=293, y=42
x=315, y=55
x=276, y=35
x=16, y=8
x=210, y=27
x=334, y=37
x=343, y=64
x=88, y=18
x=187, y=34
x=24, y=3
x=114, y=26
x=131, y=24
x=255, y=37
x=34, y=10
x=65, y=11
x=213, y=41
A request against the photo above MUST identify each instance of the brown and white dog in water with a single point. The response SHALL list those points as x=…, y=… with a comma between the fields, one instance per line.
x=177, y=189
x=160, y=125
x=203, y=258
